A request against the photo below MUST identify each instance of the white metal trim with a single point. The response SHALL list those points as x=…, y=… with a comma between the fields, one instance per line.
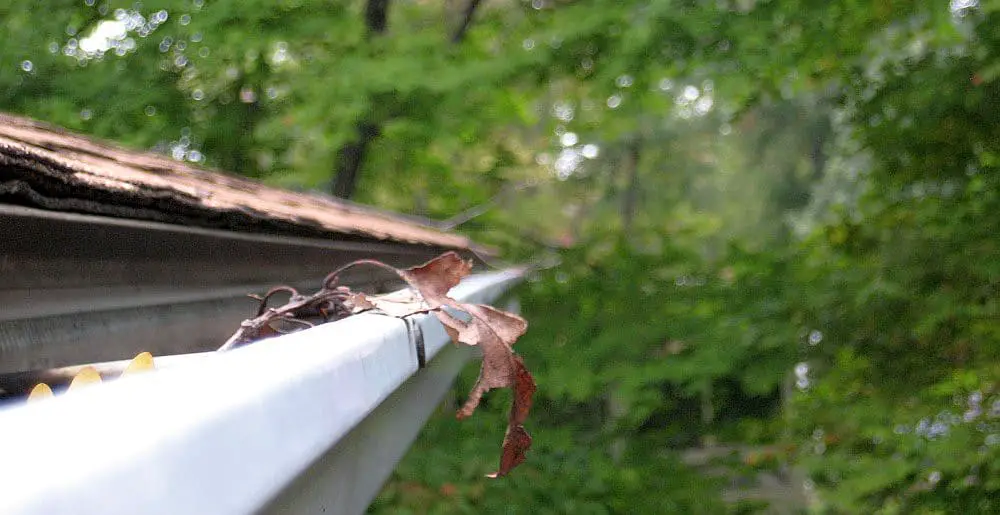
x=224, y=435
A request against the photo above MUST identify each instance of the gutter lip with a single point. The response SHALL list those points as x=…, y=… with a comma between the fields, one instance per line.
x=224, y=435
x=96, y=299
x=395, y=247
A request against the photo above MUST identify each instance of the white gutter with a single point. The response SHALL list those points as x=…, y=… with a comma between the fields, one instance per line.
x=315, y=419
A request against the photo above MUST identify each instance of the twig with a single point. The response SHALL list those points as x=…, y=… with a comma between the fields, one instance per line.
x=321, y=303
x=329, y=302
x=480, y=209
x=331, y=278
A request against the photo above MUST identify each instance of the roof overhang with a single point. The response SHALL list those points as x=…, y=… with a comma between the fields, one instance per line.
x=48, y=167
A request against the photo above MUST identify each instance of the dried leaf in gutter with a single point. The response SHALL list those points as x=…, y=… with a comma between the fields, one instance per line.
x=398, y=304
x=507, y=326
x=435, y=278
x=497, y=369
x=358, y=302
x=494, y=331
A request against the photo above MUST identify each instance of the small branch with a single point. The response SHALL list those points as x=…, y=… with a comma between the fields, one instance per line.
x=318, y=304
x=480, y=209
x=270, y=293
x=331, y=278
x=377, y=16
x=330, y=301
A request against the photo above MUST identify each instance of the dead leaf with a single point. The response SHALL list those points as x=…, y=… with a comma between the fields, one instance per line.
x=458, y=331
x=524, y=391
x=508, y=326
x=515, y=445
x=496, y=371
x=453, y=333
x=292, y=292
x=493, y=330
x=516, y=441
x=358, y=302
x=435, y=278
x=399, y=304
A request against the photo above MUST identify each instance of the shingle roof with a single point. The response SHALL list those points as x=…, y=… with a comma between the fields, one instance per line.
x=49, y=167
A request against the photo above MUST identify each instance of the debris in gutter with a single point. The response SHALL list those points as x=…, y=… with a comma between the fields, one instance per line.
x=494, y=331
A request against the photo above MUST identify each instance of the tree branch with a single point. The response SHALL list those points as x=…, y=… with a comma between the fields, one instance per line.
x=377, y=16
x=470, y=11
x=350, y=157
x=479, y=209
x=632, y=192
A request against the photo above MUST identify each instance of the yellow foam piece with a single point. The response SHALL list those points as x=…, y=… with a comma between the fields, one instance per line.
x=85, y=377
x=39, y=392
x=143, y=362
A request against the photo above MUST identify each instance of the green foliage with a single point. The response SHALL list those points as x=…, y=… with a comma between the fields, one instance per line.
x=901, y=415
x=775, y=222
x=443, y=472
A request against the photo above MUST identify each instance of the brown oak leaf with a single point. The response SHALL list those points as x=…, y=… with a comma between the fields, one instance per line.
x=494, y=331
x=399, y=304
x=436, y=277
x=515, y=445
x=516, y=441
x=498, y=368
x=508, y=326
x=524, y=390
x=458, y=331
